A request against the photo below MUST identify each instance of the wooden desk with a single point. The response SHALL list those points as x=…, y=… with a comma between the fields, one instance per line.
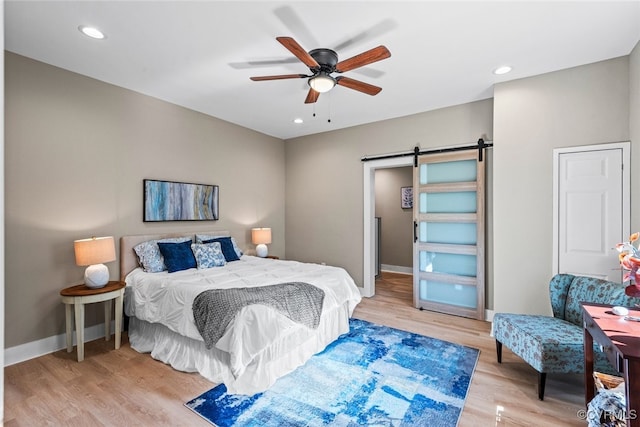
x=80, y=295
x=620, y=340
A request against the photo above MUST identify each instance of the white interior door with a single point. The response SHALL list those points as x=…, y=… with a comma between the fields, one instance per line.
x=592, y=212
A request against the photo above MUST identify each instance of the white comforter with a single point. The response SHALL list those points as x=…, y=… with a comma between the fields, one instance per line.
x=167, y=298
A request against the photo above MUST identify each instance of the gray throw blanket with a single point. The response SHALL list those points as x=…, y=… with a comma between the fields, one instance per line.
x=215, y=308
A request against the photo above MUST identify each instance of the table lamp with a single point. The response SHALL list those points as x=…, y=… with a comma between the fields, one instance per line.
x=261, y=237
x=92, y=253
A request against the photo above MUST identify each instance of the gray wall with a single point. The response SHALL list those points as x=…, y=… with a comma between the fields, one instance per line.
x=324, y=193
x=397, y=223
x=77, y=151
x=578, y=106
x=585, y=105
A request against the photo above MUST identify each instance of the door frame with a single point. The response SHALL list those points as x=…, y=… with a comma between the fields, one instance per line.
x=369, y=210
x=626, y=188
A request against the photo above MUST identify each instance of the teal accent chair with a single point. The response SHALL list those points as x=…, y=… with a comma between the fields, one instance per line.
x=556, y=344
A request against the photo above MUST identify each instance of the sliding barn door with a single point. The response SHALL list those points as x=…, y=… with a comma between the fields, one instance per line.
x=448, y=250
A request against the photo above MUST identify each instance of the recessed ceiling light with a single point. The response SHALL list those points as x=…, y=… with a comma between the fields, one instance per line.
x=298, y=121
x=502, y=70
x=92, y=32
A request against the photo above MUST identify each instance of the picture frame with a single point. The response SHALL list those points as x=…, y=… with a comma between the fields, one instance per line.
x=406, y=197
x=179, y=201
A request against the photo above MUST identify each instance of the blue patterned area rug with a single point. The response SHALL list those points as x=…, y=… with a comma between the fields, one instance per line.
x=374, y=375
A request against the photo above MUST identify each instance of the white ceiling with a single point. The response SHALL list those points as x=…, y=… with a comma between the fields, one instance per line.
x=201, y=54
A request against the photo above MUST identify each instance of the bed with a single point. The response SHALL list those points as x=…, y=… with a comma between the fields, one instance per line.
x=259, y=345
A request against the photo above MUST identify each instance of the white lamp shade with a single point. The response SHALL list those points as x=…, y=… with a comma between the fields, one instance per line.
x=95, y=250
x=92, y=253
x=261, y=237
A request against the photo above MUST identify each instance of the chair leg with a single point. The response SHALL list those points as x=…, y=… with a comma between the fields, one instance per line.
x=499, y=351
x=542, y=378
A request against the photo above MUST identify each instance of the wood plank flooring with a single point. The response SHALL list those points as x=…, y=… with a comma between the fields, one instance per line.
x=125, y=388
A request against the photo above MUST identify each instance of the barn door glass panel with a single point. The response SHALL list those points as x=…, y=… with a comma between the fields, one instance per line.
x=435, y=262
x=449, y=247
x=454, y=201
x=454, y=171
x=440, y=292
x=448, y=232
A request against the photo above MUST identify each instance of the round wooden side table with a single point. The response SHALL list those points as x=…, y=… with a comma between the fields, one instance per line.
x=80, y=295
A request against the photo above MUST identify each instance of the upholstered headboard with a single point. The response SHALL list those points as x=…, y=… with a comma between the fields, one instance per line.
x=128, y=257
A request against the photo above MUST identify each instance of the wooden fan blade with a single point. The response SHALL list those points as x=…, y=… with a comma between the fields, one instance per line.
x=358, y=85
x=298, y=51
x=365, y=58
x=312, y=96
x=280, y=77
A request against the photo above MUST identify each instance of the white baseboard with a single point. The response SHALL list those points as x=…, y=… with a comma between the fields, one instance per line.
x=396, y=269
x=34, y=349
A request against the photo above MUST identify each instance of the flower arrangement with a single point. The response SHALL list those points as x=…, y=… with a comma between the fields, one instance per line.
x=629, y=256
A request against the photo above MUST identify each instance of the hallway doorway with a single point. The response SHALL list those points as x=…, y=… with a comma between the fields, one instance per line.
x=369, y=209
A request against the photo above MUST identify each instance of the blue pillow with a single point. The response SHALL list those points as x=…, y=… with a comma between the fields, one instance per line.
x=201, y=237
x=228, y=250
x=177, y=256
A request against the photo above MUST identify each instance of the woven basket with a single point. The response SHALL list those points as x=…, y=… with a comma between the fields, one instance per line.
x=606, y=381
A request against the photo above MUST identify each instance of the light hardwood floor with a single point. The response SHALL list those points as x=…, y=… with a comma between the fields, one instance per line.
x=122, y=387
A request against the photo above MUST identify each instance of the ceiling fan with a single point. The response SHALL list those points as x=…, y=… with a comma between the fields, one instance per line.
x=323, y=62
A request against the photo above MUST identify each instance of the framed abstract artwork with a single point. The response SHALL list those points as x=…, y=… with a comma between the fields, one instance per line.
x=179, y=201
x=406, y=200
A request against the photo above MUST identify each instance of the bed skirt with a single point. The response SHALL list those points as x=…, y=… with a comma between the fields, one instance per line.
x=280, y=358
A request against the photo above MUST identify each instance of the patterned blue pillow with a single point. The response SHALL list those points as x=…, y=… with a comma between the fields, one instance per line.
x=149, y=256
x=200, y=238
x=208, y=255
x=227, y=248
x=177, y=256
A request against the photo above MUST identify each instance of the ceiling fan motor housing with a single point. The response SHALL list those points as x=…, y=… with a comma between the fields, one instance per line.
x=326, y=58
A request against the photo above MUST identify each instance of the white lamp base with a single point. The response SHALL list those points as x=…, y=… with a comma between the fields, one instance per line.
x=96, y=276
x=262, y=251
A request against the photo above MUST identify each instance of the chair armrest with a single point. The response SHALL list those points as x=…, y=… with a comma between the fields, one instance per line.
x=558, y=290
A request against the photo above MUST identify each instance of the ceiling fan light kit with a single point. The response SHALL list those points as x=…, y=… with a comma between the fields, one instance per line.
x=322, y=83
x=322, y=62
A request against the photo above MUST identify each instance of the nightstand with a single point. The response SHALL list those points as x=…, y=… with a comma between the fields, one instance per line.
x=80, y=295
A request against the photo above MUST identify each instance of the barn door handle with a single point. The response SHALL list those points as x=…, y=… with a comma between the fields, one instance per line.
x=415, y=231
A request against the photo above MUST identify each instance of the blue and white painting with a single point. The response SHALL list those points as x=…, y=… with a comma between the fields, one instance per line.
x=179, y=201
